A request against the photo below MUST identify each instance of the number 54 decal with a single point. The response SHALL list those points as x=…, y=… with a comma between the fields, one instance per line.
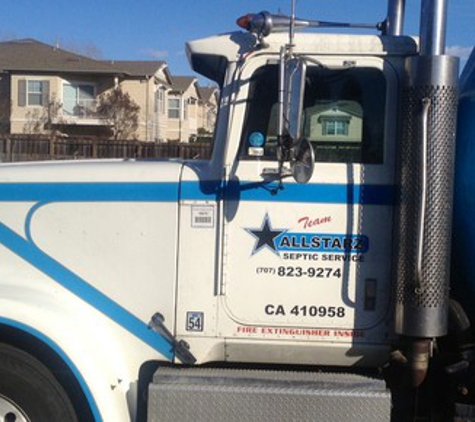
x=194, y=321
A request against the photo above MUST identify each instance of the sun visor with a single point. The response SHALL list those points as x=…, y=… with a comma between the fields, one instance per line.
x=210, y=56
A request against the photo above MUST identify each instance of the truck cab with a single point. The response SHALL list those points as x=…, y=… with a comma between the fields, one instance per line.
x=301, y=266
x=302, y=273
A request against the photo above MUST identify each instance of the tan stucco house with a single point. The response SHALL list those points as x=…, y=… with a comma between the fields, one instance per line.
x=183, y=104
x=148, y=83
x=44, y=87
x=334, y=121
x=208, y=110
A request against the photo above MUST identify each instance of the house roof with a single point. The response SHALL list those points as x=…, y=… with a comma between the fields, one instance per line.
x=138, y=68
x=35, y=56
x=182, y=83
x=206, y=92
x=347, y=107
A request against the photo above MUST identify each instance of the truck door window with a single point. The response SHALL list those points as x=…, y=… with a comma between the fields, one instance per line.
x=344, y=114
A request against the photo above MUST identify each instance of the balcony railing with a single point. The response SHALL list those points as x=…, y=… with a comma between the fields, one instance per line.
x=82, y=109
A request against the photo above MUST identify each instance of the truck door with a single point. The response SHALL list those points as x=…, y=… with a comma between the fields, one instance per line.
x=312, y=261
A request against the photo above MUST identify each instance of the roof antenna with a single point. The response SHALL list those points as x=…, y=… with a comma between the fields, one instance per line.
x=292, y=28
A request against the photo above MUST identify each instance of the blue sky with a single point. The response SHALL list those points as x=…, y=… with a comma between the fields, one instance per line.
x=158, y=29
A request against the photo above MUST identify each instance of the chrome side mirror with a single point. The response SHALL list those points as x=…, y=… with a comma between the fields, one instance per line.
x=294, y=90
x=303, y=161
x=302, y=158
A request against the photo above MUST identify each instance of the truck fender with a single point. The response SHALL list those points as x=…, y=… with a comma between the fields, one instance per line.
x=104, y=357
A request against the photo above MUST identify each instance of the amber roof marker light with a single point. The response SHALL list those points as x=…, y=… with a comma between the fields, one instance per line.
x=263, y=23
x=257, y=23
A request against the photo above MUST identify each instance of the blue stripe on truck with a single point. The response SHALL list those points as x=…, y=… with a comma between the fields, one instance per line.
x=207, y=190
x=43, y=193
x=89, y=192
x=66, y=359
x=79, y=287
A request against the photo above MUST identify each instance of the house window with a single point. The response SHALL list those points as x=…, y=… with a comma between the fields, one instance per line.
x=210, y=118
x=160, y=101
x=185, y=110
x=79, y=100
x=174, y=108
x=33, y=93
x=335, y=127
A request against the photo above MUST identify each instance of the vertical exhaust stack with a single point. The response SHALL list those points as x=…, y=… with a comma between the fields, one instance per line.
x=395, y=19
x=427, y=152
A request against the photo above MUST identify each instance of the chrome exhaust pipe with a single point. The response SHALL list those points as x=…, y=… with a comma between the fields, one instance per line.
x=427, y=151
x=394, y=24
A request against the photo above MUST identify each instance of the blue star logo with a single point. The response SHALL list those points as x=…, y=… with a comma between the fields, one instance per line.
x=265, y=236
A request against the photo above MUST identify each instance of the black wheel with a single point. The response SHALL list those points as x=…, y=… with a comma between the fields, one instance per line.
x=28, y=390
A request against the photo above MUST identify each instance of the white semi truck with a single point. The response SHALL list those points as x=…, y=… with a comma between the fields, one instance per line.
x=301, y=274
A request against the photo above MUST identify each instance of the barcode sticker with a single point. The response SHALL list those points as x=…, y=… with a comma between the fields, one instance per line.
x=202, y=216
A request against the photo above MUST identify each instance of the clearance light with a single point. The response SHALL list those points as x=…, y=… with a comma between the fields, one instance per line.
x=263, y=23
x=256, y=23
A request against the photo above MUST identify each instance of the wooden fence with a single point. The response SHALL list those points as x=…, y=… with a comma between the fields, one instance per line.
x=39, y=148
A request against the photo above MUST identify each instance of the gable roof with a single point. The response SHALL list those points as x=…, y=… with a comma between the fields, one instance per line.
x=143, y=68
x=342, y=106
x=138, y=68
x=35, y=56
x=181, y=83
x=206, y=93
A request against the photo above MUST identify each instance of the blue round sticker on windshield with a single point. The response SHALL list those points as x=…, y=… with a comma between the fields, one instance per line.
x=256, y=139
